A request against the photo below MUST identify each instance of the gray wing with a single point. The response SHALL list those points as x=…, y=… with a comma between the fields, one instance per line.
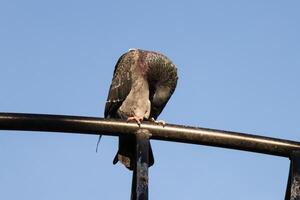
x=120, y=86
x=162, y=77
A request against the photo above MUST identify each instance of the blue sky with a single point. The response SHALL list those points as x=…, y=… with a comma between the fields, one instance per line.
x=238, y=65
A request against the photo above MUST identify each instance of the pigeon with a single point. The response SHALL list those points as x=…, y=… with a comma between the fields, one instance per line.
x=143, y=82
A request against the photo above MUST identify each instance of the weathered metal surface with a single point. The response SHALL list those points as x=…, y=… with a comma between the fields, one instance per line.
x=185, y=134
x=293, y=187
x=139, y=190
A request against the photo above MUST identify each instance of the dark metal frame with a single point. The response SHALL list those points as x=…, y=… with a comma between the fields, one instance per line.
x=185, y=134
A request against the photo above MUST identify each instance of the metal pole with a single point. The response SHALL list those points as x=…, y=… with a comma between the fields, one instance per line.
x=293, y=186
x=139, y=189
x=185, y=134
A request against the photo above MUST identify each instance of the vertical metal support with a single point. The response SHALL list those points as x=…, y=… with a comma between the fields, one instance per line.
x=293, y=186
x=139, y=188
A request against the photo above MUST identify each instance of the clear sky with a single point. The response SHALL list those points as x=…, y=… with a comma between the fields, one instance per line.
x=238, y=63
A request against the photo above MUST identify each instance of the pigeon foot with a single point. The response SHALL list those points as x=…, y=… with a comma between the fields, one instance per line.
x=138, y=120
x=158, y=122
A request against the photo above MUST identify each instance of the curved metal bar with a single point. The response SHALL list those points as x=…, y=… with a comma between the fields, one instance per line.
x=184, y=134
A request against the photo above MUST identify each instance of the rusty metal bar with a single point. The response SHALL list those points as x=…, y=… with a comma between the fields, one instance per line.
x=185, y=134
x=139, y=189
x=293, y=186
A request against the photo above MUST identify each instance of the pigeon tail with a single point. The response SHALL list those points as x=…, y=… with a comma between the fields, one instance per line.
x=126, y=153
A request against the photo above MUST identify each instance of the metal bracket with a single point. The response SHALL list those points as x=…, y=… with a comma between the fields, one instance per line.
x=139, y=188
x=293, y=186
